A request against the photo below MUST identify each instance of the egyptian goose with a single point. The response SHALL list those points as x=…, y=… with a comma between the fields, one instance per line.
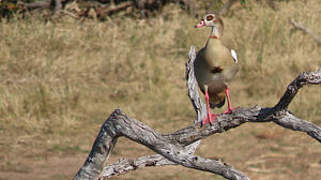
x=215, y=66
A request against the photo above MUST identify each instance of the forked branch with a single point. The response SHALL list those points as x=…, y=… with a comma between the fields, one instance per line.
x=179, y=147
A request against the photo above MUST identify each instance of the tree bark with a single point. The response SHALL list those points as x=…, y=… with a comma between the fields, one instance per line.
x=57, y=6
x=179, y=147
x=39, y=4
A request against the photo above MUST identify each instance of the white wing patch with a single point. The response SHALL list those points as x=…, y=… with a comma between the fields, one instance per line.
x=234, y=55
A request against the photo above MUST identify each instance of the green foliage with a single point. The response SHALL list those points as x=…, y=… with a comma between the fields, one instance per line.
x=243, y=2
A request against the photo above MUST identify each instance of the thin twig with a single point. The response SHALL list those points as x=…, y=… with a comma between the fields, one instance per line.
x=304, y=29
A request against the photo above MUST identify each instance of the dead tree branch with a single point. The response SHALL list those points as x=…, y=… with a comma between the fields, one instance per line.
x=57, y=6
x=39, y=4
x=175, y=148
x=125, y=165
x=119, y=124
x=305, y=30
x=45, y=4
x=191, y=83
x=106, y=8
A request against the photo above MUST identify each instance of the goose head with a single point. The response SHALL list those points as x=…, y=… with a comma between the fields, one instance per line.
x=213, y=21
x=210, y=20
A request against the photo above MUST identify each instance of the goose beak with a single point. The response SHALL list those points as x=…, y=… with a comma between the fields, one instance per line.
x=200, y=24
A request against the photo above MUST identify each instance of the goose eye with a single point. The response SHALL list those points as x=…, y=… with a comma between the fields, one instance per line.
x=209, y=18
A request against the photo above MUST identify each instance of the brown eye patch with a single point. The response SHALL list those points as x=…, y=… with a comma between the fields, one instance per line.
x=209, y=18
x=216, y=69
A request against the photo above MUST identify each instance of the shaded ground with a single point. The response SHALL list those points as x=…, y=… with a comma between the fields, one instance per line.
x=55, y=167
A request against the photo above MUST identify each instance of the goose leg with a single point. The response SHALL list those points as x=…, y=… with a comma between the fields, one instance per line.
x=210, y=117
x=229, y=106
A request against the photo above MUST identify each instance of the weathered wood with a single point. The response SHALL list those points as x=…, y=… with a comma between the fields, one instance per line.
x=106, y=8
x=304, y=29
x=44, y=4
x=125, y=165
x=175, y=148
x=38, y=4
x=191, y=83
x=303, y=79
x=57, y=6
x=119, y=124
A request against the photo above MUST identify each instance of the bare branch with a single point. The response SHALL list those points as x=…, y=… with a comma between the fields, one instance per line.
x=119, y=124
x=123, y=166
x=291, y=122
x=302, y=28
x=175, y=146
x=57, y=6
x=191, y=83
x=45, y=4
x=293, y=88
x=38, y=4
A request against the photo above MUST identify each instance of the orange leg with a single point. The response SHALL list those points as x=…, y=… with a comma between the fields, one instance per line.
x=210, y=117
x=229, y=106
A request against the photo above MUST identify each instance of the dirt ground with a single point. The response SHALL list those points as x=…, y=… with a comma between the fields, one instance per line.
x=265, y=152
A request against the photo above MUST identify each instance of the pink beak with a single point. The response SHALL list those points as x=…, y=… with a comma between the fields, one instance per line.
x=200, y=24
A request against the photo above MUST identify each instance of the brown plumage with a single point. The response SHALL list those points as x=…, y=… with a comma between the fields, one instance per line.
x=215, y=65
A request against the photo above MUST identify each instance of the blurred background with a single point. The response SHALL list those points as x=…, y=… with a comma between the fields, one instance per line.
x=63, y=71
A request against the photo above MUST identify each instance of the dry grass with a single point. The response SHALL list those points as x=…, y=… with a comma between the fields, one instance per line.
x=58, y=81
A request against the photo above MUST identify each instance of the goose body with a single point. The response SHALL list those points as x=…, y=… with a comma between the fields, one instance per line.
x=215, y=65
